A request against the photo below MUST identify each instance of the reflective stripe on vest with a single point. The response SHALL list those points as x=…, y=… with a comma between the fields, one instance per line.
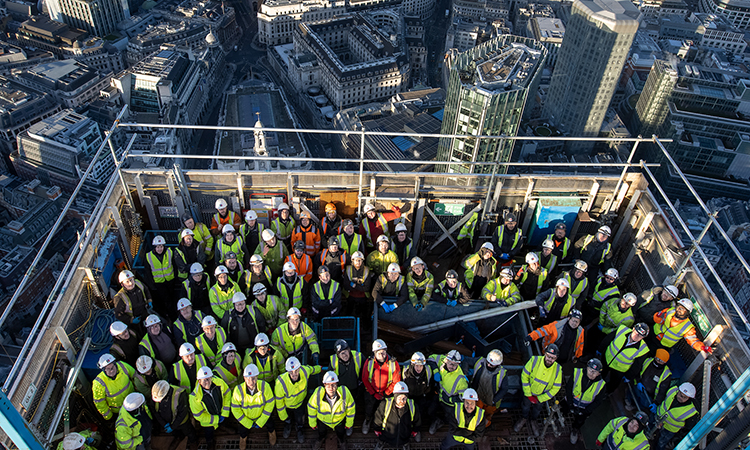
x=389, y=405
x=566, y=244
x=296, y=297
x=615, y=317
x=399, y=284
x=674, y=417
x=551, y=301
x=516, y=238
x=371, y=367
x=602, y=295
x=589, y=239
x=470, y=425
x=383, y=224
x=325, y=252
x=354, y=246
x=332, y=288
x=582, y=400
x=620, y=358
x=539, y=280
x=582, y=284
x=669, y=336
x=356, y=356
x=162, y=271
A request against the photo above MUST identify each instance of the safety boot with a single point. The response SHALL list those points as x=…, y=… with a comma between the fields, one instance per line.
x=243, y=443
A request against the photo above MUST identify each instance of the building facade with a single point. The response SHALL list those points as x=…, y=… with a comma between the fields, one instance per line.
x=737, y=11
x=98, y=17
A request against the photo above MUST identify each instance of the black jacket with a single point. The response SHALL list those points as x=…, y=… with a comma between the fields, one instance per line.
x=397, y=426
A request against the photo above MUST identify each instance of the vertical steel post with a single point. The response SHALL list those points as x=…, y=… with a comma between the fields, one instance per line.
x=361, y=168
x=622, y=175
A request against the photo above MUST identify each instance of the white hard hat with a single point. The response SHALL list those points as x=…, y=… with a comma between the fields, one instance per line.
x=251, y=215
x=358, y=255
x=73, y=441
x=220, y=269
x=105, y=360
x=454, y=356
x=400, y=388
x=292, y=364
x=368, y=207
x=158, y=240
x=152, y=319
x=261, y=339
x=208, y=321
x=117, y=328
x=293, y=312
x=186, y=232
x=548, y=243
x=470, y=394
x=489, y=246
x=159, y=390
x=143, y=364
x=612, y=272
x=220, y=203
x=400, y=227
x=382, y=238
x=605, y=230
x=251, y=370
x=418, y=358
x=416, y=261
x=183, y=303
x=330, y=377
x=506, y=273
x=672, y=290
x=228, y=347
x=267, y=234
x=256, y=259
x=238, y=297
x=133, y=401
x=686, y=303
x=186, y=349
x=581, y=265
x=283, y=206
x=227, y=228
x=196, y=268
x=688, y=389
x=378, y=344
x=495, y=357
x=563, y=282
x=394, y=268
x=630, y=298
x=204, y=372
x=259, y=288
x=125, y=275
x=531, y=258
x=290, y=266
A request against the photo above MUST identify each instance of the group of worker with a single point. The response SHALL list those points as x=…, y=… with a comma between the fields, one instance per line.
x=233, y=346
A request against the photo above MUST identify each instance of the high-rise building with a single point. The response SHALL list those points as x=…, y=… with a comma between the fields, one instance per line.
x=737, y=11
x=488, y=91
x=98, y=17
x=598, y=35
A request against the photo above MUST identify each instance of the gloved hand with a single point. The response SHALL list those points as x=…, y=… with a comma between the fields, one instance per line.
x=315, y=357
x=504, y=304
x=90, y=440
x=378, y=433
x=641, y=387
x=386, y=307
x=452, y=303
x=437, y=377
x=221, y=419
x=351, y=284
x=708, y=349
x=378, y=397
x=652, y=407
x=626, y=380
x=136, y=320
x=598, y=443
x=288, y=420
x=315, y=427
x=533, y=399
x=168, y=428
x=599, y=354
x=542, y=312
x=504, y=256
x=255, y=425
x=527, y=340
x=601, y=327
x=150, y=305
x=413, y=434
x=419, y=307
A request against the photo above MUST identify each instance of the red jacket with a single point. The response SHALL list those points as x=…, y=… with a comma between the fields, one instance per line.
x=375, y=228
x=379, y=379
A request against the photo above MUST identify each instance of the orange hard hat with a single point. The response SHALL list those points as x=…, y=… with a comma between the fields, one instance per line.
x=330, y=207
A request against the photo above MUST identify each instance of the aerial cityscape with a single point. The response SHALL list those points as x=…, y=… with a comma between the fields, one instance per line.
x=525, y=222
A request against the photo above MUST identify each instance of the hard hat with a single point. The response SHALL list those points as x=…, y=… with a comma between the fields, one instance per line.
x=560, y=226
x=641, y=328
x=495, y=357
x=292, y=364
x=563, y=282
x=333, y=240
x=256, y=259
x=378, y=344
x=158, y=240
x=228, y=347
x=227, y=228
x=159, y=390
x=290, y=266
x=258, y=288
x=230, y=255
x=105, y=360
x=382, y=238
x=185, y=217
x=552, y=349
x=575, y=314
x=220, y=204
x=531, y=258
x=548, y=244
x=304, y=215
x=605, y=230
x=261, y=339
x=687, y=303
x=418, y=359
x=293, y=312
x=346, y=222
x=394, y=268
x=267, y=234
x=299, y=245
x=630, y=298
x=152, y=319
x=251, y=215
x=204, y=372
x=506, y=273
x=143, y=364
x=186, y=349
x=400, y=388
x=133, y=401
x=672, y=290
x=454, y=356
x=595, y=364
x=186, y=232
x=117, y=328
x=196, y=268
x=612, y=272
x=208, y=321
x=662, y=354
x=73, y=441
x=368, y=207
x=416, y=261
x=470, y=394
x=125, y=275
x=183, y=303
x=330, y=377
x=283, y=206
x=451, y=275
x=341, y=345
x=330, y=207
x=323, y=269
x=220, y=269
x=251, y=370
x=489, y=246
x=581, y=265
x=642, y=418
x=400, y=227
x=358, y=255
x=510, y=217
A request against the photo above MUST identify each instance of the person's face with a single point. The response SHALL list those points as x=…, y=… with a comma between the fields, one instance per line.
x=331, y=388
x=210, y=331
x=325, y=277
x=608, y=279
x=205, y=383
x=345, y=355
x=229, y=357
x=124, y=336
x=546, y=251
x=257, y=268
x=129, y=284
x=510, y=225
x=298, y=252
x=451, y=282
x=331, y=215
x=380, y=355
x=271, y=242
x=562, y=291
x=633, y=426
x=666, y=296
x=681, y=312
x=284, y=213
x=659, y=361
x=393, y=276
x=240, y=306
x=549, y=358
x=189, y=359
x=592, y=373
x=305, y=222
x=418, y=270
x=601, y=237
x=187, y=312
x=578, y=273
x=371, y=215
x=418, y=368
x=261, y=296
x=450, y=366
x=229, y=236
x=197, y=277
x=486, y=254
x=401, y=400
x=110, y=370
x=154, y=329
x=469, y=406
x=294, y=322
x=222, y=278
x=401, y=235
x=624, y=304
x=635, y=336
x=383, y=247
x=504, y=281
x=574, y=322
x=159, y=249
x=149, y=371
x=294, y=374
x=333, y=248
x=262, y=350
x=357, y=263
x=190, y=224
x=222, y=211
x=290, y=273
x=559, y=234
x=251, y=382
x=188, y=240
x=251, y=223
x=349, y=229
x=682, y=398
x=534, y=266
x=231, y=264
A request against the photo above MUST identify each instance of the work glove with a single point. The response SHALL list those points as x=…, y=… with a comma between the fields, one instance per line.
x=89, y=440
x=652, y=407
x=527, y=340
x=708, y=349
x=437, y=377
x=419, y=307
x=413, y=434
x=315, y=357
x=288, y=421
x=542, y=312
x=221, y=419
x=504, y=256
x=150, y=305
x=598, y=443
x=255, y=425
x=533, y=399
x=378, y=433
x=599, y=354
x=503, y=303
x=641, y=387
x=452, y=303
x=136, y=320
x=601, y=327
x=168, y=428
x=625, y=380
x=352, y=284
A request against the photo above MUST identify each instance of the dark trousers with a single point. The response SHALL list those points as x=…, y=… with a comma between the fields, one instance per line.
x=428, y=411
x=339, y=429
x=451, y=442
x=665, y=437
x=185, y=430
x=613, y=378
x=371, y=405
x=297, y=415
x=162, y=298
x=268, y=428
x=530, y=410
x=579, y=416
x=208, y=433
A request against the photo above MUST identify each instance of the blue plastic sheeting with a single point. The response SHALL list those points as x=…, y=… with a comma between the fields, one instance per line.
x=438, y=114
x=403, y=143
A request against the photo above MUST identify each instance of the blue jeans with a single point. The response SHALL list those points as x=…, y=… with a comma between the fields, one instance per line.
x=665, y=436
x=640, y=397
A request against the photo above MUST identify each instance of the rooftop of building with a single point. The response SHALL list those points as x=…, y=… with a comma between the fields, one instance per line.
x=9, y=263
x=548, y=29
x=156, y=34
x=166, y=64
x=619, y=16
x=713, y=22
x=66, y=127
x=511, y=67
